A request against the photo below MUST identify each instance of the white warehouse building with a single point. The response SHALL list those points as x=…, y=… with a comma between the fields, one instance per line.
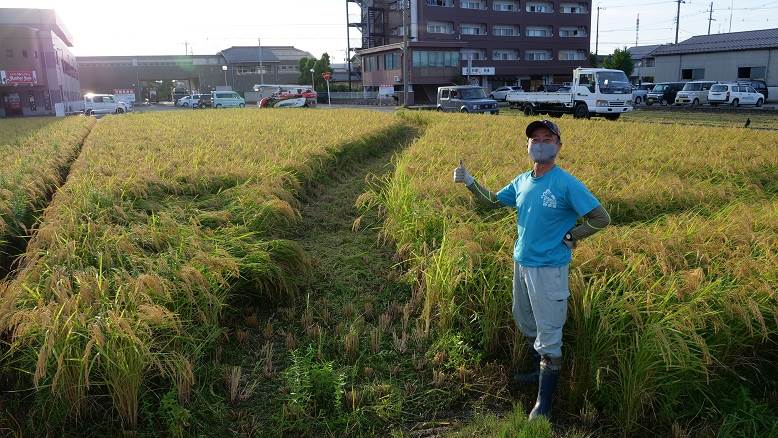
x=721, y=57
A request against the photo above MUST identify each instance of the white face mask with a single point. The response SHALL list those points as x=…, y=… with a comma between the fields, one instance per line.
x=542, y=153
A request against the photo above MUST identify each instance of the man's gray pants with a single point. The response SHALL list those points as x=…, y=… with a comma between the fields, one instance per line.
x=540, y=305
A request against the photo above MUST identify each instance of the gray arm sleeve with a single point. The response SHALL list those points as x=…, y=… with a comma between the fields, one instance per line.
x=483, y=196
x=594, y=221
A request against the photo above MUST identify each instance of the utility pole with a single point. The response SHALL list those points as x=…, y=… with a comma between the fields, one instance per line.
x=731, y=6
x=710, y=18
x=186, y=47
x=637, y=34
x=405, y=53
x=597, y=38
x=637, y=30
x=678, y=19
x=348, y=46
x=261, y=67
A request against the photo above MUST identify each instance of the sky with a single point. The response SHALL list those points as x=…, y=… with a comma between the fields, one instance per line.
x=164, y=27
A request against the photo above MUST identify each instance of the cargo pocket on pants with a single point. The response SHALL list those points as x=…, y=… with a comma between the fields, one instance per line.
x=556, y=283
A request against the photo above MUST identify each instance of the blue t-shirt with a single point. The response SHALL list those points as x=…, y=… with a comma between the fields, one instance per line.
x=548, y=207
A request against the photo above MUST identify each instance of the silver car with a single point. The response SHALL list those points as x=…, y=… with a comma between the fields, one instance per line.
x=465, y=99
x=694, y=93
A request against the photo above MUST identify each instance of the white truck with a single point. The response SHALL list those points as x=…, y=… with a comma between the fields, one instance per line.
x=595, y=92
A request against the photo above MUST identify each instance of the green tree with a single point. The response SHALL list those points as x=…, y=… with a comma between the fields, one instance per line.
x=319, y=66
x=305, y=65
x=620, y=60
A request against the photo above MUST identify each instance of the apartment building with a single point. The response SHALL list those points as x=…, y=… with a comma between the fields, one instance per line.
x=484, y=42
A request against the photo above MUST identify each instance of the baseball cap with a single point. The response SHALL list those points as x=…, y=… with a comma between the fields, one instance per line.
x=548, y=124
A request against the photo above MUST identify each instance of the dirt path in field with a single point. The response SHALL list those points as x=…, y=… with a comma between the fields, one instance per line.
x=349, y=266
x=17, y=245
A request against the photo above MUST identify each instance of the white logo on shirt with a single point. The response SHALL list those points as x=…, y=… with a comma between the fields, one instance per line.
x=549, y=200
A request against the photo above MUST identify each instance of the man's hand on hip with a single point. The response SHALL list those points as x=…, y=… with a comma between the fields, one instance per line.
x=462, y=176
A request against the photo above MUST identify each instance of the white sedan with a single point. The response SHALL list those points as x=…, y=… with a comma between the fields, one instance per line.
x=502, y=92
x=185, y=101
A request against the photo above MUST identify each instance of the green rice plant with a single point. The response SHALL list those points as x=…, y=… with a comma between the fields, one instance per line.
x=122, y=290
x=676, y=294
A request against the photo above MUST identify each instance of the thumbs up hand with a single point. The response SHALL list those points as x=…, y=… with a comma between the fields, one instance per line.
x=462, y=176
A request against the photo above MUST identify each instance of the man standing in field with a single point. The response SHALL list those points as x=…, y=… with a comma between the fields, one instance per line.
x=549, y=202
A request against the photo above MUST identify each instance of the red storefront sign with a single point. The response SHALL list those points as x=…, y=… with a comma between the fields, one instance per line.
x=18, y=77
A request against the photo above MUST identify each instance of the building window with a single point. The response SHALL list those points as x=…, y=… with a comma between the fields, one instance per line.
x=443, y=3
x=751, y=72
x=573, y=8
x=537, y=55
x=505, y=55
x=539, y=31
x=572, y=32
x=472, y=4
x=508, y=31
x=650, y=62
x=542, y=7
x=472, y=29
x=473, y=54
x=426, y=58
x=392, y=61
x=24, y=53
x=9, y=53
x=693, y=74
x=505, y=6
x=440, y=27
x=370, y=63
x=572, y=55
x=35, y=54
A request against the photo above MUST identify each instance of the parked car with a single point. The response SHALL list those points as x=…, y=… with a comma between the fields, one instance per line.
x=639, y=92
x=695, y=93
x=759, y=85
x=465, y=99
x=226, y=99
x=502, y=92
x=664, y=93
x=104, y=104
x=185, y=101
x=204, y=100
x=551, y=88
x=735, y=95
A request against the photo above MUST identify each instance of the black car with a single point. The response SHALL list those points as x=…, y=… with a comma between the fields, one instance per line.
x=664, y=93
x=759, y=85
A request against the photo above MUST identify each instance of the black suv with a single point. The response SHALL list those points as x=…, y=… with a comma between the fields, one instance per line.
x=664, y=93
x=759, y=85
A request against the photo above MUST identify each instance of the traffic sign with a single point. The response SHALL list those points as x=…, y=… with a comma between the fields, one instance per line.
x=326, y=75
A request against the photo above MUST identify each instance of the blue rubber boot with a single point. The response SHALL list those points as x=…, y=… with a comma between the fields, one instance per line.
x=532, y=376
x=547, y=382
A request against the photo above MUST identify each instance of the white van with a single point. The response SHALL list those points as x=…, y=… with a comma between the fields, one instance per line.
x=226, y=99
x=104, y=104
x=694, y=93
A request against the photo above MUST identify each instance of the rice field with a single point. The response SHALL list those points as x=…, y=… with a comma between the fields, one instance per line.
x=669, y=305
x=35, y=152
x=235, y=273
x=163, y=220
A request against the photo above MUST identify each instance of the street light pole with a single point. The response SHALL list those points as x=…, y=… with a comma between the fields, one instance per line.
x=405, y=54
x=261, y=68
x=313, y=84
x=224, y=69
